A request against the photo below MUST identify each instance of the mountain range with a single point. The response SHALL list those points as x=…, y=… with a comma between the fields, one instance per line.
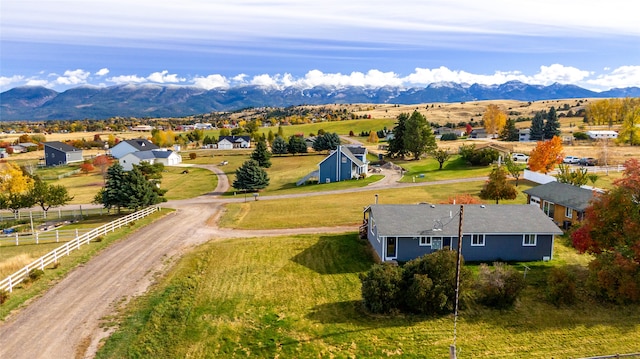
x=89, y=102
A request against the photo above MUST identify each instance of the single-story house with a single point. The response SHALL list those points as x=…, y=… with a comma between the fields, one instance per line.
x=141, y=128
x=489, y=232
x=563, y=202
x=503, y=150
x=235, y=141
x=479, y=133
x=596, y=135
x=344, y=163
x=129, y=146
x=58, y=153
x=524, y=135
x=166, y=157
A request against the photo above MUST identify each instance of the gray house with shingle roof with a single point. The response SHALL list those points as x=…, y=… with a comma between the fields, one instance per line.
x=345, y=163
x=58, y=153
x=490, y=232
x=563, y=202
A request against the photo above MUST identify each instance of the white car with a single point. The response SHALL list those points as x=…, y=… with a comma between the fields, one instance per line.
x=571, y=159
x=520, y=157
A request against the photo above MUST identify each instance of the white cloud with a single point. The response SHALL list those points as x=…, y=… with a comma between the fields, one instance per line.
x=9, y=81
x=211, y=82
x=127, y=79
x=38, y=82
x=624, y=76
x=73, y=77
x=102, y=72
x=165, y=77
x=559, y=73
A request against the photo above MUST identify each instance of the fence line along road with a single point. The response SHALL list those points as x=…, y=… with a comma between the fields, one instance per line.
x=58, y=235
x=53, y=256
x=51, y=214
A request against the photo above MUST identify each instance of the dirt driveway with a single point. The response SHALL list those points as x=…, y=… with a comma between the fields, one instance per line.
x=66, y=321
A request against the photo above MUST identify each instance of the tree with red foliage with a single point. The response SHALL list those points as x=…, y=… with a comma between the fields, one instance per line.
x=86, y=167
x=611, y=231
x=468, y=129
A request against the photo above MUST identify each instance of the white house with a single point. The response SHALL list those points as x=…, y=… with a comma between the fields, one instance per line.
x=236, y=142
x=166, y=157
x=129, y=146
x=596, y=135
x=524, y=135
x=225, y=144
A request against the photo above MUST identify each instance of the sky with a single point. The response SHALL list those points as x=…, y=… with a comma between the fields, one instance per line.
x=216, y=44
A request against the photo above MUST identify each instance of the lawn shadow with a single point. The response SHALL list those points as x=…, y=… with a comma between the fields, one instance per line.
x=353, y=312
x=336, y=254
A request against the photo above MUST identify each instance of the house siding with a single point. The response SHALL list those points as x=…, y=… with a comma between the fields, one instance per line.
x=372, y=236
x=507, y=248
x=54, y=157
x=410, y=248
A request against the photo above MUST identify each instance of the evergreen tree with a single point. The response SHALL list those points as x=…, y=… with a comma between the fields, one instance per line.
x=418, y=137
x=296, y=145
x=139, y=192
x=261, y=154
x=509, y=131
x=251, y=177
x=537, y=126
x=270, y=137
x=396, y=144
x=113, y=194
x=280, y=132
x=552, y=126
x=279, y=146
x=326, y=142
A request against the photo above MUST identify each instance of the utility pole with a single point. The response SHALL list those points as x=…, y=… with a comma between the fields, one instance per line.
x=452, y=348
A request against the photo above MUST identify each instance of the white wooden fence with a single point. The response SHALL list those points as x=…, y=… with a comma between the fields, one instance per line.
x=53, y=256
x=41, y=237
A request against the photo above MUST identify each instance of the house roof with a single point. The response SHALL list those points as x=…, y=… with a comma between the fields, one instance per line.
x=61, y=146
x=357, y=150
x=495, y=146
x=141, y=144
x=563, y=194
x=235, y=138
x=147, y=155
x=348, y=153
x=421, y=220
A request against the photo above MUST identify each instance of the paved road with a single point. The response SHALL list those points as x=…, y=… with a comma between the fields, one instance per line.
x=65, y=322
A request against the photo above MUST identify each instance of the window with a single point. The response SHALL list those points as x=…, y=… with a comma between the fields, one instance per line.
x=344, y=159
x=477, y=240
x=568, y=212
x=529, y=240
x=372, y=227
x=548, y=208
x=436, y=243
x=425, y=241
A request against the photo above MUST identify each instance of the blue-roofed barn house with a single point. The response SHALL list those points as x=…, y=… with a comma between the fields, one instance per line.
x=346, y=162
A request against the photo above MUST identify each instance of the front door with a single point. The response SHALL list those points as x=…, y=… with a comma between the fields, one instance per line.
x=391, y=248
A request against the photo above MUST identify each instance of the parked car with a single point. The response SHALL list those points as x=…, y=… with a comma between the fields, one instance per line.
x=571, y=159
x=520, y=157
x=588, y=161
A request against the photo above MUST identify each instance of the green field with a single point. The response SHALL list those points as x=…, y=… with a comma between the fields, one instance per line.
x=342, y=209
x=299, y=297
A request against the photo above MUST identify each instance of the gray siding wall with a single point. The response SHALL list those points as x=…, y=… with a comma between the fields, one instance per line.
x=373, y=238
x=328, y=168
x=74, y=156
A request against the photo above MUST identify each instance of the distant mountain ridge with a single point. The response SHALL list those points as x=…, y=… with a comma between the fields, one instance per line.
x=86, y=102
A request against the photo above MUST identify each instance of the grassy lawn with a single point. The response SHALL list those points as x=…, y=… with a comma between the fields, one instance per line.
x=299, y=297
x=342, y=209
x=28, y=253
x=427, y=170
x=180, y=185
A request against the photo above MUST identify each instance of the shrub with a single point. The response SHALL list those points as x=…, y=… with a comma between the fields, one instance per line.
x=192, y=156
x=35, y=274
x=4, y=296
x=562, y=285
x=449, y=137
x=430, y=283
x=381, y=288
x=499, y=287
x=580, y=136
x=615, y=278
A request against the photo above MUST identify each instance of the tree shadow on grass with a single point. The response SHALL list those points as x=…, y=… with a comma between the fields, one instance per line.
x=336, y=254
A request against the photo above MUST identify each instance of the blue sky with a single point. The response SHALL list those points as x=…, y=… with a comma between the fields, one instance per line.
x=63, y=44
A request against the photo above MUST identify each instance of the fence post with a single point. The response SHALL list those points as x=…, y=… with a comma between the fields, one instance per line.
x=37, y=238
x=10, y=284
x=41, y=263
x=17, y=242
x=57, y=236
x=59, y=213
x=77, y=240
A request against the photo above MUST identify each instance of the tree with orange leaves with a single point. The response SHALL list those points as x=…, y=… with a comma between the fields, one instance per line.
x=546, y=155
